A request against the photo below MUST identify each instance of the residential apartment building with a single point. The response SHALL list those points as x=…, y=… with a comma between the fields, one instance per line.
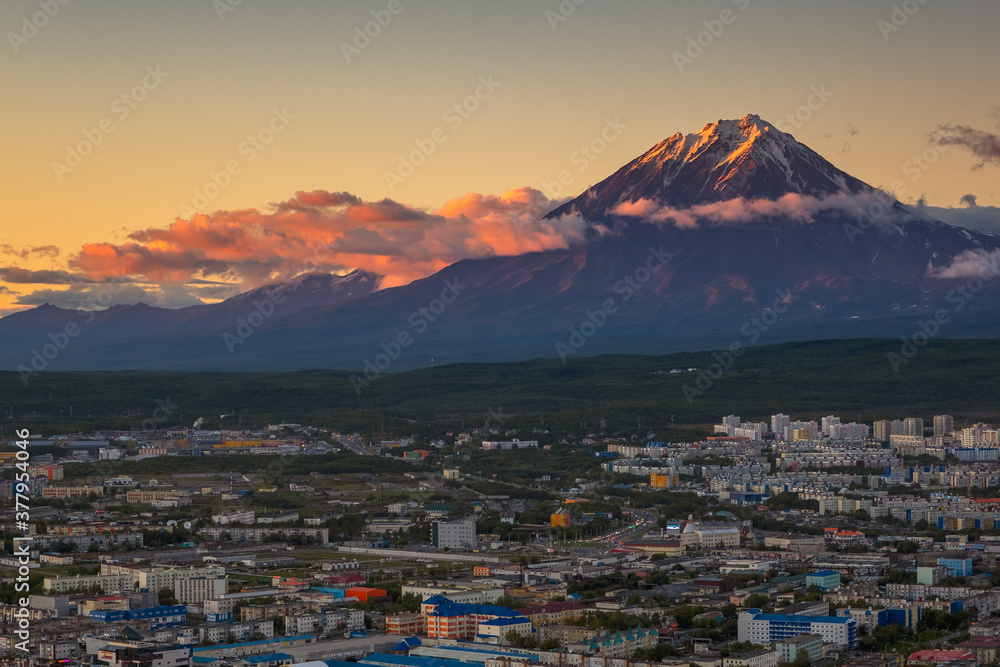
x=553, y=613
x=196, y=590
x=329, y=621
x=618, y=644
x=884, y=429
x=242, y=533
x=788, y=649
x=106, y=583
x=51, y=471
x=149, y=496
x=239, y=516
x=454, y=534
x=913, y=426
x=406, y=623
x=240, y=631
x=63, y=492
x=762, y=658
x=155, y=579
x=944, y=425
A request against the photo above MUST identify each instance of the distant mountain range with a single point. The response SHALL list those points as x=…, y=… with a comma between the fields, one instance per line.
x=735, y=234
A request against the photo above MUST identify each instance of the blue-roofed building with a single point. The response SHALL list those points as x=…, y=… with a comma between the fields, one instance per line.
x=471, y=656
x=456, y=620
x=267, y=660
x=433, y=601
x=390, y=660
x=337, y=593
x=493, y=631
x=760, y=628
x=407, y=645
x=162, y=616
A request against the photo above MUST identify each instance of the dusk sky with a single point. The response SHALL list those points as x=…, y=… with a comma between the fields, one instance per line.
x=162, y=95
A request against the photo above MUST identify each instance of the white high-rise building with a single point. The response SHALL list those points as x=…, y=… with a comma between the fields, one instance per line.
x=852, y=432
x=978, y=435
x=885, y=429
x=156, y=579
x=759, y=628
x=913, y=426
x=811, y=427
x=944, y=425
x=454, y=535
x=237, y=516
x=195, y=590
x=779, y=423
x=751, y=430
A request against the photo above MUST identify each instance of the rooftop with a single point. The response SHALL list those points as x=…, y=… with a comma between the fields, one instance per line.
x=801, y=639
x=259, y=642
x=940, y=656
x=795, y=618
x=266, y=657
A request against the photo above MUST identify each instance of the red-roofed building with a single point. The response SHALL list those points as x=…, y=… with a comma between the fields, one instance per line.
x=293, y=584
x=933, y=657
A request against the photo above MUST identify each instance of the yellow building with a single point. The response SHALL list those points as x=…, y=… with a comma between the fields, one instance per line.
x=663, y=481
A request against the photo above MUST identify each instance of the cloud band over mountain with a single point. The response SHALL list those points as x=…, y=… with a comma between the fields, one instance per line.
x=792, y=206
x=217, y=254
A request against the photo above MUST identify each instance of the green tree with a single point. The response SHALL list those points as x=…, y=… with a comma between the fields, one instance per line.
x=684, y=615
x=279, y=624
x=802, y=659
x=166, y=596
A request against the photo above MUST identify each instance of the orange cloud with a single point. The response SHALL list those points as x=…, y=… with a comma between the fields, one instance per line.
x=333, y=231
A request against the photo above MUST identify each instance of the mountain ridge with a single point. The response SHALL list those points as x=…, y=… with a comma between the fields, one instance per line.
x=727, y=259
x=729, y=159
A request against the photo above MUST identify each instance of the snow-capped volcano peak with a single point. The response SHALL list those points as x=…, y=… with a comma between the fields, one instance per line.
x=747, y=157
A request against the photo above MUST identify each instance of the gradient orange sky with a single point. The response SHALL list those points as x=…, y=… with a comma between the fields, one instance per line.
x=211, y=77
